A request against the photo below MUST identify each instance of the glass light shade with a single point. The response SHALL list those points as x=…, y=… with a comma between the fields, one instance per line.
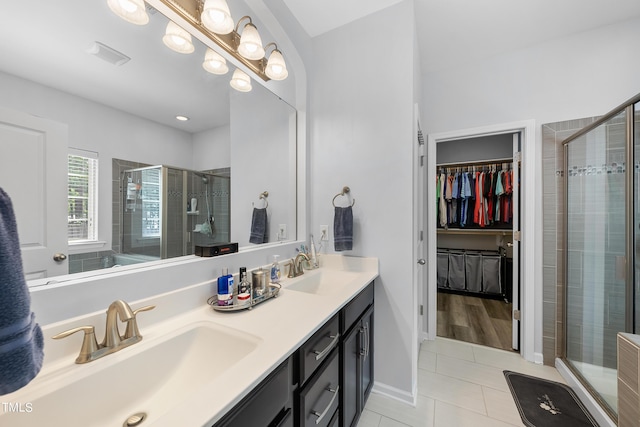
x=240, y=81
x=214, y=62
x=130, y=10
x=276, y=68
x=216, y=17
x=250, y=43
x=177, y=39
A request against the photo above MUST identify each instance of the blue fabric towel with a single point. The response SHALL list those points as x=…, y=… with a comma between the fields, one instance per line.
x=258, y=226
x=343, y=229
x=21, y=342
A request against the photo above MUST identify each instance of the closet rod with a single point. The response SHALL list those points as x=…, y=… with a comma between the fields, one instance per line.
x=476, y=163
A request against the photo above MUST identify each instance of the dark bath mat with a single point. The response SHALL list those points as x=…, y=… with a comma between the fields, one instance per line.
x=544, y=403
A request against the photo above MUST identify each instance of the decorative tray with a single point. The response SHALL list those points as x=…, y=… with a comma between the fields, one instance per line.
x=274, y=290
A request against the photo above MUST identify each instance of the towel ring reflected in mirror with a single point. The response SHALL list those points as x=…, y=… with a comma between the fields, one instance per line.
x=263, y=196
x=344, y=192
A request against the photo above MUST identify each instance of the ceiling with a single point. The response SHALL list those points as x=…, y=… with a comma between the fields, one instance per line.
x=453, y=32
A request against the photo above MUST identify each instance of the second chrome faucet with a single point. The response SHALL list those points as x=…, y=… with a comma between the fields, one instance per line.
x=112, y=341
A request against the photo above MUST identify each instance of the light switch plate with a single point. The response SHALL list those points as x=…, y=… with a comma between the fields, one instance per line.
x=282, y=231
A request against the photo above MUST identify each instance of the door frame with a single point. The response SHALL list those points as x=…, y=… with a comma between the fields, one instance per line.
x=530, y=226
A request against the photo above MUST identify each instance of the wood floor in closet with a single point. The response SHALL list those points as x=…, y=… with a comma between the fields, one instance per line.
x=476, y=320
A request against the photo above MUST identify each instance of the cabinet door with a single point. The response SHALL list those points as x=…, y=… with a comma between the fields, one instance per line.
x=266, y=405
x=367, y=356
x=350, y=355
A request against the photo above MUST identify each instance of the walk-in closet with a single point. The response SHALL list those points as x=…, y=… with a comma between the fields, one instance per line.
x=477, y=191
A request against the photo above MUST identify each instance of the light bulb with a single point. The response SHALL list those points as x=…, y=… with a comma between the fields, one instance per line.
x=276, y=67
x=250, y=43
x=216, y=17
x=240, y=81
x=132, y=11
x=214, y=62
x=177, y=39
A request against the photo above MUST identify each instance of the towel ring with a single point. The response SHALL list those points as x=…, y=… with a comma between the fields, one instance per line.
x=345, y=191
x=264, y=196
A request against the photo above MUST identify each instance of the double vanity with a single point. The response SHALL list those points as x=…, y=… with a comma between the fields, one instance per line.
x=304, y=358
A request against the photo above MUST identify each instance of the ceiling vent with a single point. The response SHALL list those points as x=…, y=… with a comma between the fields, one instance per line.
x=108, y=54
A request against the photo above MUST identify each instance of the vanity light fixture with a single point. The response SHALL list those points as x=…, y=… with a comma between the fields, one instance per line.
x=130, y=10
x=276, y=68
x=216, y=16
x=250, y=42
x=214, y=62
x=240, y=81
x=178, y=39
x=211, y=18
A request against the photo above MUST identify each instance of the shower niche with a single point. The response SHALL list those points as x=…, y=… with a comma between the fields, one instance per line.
x=166, y=211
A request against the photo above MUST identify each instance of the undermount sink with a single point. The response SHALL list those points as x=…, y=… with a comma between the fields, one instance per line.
x=321, y=282
x=147, y=379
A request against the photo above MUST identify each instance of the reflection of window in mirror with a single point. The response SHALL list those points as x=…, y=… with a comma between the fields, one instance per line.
x=150, y=193
x=82, y=197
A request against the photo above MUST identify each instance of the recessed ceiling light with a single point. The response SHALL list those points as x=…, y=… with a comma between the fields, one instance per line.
x=182, y=118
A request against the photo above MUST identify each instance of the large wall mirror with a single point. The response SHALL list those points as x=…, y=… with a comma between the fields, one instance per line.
x=77, y=115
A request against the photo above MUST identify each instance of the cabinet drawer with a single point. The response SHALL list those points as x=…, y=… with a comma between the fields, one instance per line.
x=356, y=307
x=320, y=398
x=265, y=404
x=317, y=348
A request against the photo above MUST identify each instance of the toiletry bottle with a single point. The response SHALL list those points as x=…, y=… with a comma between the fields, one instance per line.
x=244, y=288
x=314, y=257
x=275, y=270
x=231, y=287
x=224, y=296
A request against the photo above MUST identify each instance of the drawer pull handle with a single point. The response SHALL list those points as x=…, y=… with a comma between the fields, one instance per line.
x=326, y=410
x=323, y=353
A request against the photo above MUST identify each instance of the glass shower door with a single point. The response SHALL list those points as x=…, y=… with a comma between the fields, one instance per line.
x=596, y=254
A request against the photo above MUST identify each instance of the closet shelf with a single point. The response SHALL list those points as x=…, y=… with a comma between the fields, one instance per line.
x=486, y=232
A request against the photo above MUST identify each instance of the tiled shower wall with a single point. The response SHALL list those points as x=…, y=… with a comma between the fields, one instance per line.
x=553, y=135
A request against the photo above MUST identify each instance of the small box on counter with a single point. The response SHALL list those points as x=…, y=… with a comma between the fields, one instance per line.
x=215, y=250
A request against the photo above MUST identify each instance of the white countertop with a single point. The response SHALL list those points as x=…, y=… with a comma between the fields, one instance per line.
x=281, y=325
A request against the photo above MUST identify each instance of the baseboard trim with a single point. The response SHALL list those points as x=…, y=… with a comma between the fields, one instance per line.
x=395, y=393
x=585, y=397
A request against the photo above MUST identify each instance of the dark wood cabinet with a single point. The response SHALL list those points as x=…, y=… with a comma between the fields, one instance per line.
x=268, y=405
x=325, y=382
x=357, y=357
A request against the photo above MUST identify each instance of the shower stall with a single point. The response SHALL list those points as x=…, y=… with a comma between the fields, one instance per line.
x=166, y=211
x=602, y=218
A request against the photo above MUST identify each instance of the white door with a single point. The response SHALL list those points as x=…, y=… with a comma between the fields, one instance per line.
x=38, y=194
x=515, y=200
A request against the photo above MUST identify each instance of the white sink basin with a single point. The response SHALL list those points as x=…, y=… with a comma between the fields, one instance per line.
x=321, y=282
x=149, y=377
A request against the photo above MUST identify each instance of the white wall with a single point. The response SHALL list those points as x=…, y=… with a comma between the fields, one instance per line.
x=361, y=136
x=263, y=159
x=582, y=75
x=212, y=149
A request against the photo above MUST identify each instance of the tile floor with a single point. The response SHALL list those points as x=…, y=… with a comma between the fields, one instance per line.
x=459, y=385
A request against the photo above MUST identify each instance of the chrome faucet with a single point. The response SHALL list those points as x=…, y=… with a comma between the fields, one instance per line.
x=113, y=341
x=295, y=265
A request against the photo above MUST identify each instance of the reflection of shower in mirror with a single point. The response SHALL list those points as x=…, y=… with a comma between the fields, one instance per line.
x=161, y=218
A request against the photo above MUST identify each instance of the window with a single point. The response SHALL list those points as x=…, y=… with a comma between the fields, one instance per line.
x=151, y=202
x=82, y=210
